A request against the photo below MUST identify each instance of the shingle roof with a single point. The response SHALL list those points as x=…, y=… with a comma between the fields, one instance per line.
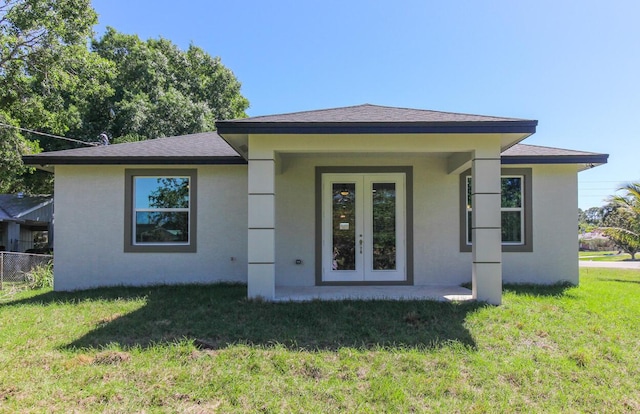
x=373, y=113
x=12, y=206
x=210, y=148
x=375, y=119
x=530, y=150
x=201, y=148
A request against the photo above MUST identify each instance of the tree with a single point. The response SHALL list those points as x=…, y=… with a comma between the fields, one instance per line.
x=160, y=90
x=31, y=29
x=47, y=78
x=51, y=81
x=12, y=145
x=622, y=219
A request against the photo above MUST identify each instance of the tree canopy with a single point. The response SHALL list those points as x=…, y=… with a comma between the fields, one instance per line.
x=55, y=78
x=160, y=90
x=46, y=74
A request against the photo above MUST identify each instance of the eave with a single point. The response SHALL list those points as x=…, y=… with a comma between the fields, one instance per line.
x=494, y=127
x=595, y=159
x=45, y=161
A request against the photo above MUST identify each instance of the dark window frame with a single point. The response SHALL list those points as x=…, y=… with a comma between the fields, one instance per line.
x=129, y=207
x=527, y=245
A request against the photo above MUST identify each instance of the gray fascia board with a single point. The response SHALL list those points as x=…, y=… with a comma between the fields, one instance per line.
x=555, y=159
x=53, y=160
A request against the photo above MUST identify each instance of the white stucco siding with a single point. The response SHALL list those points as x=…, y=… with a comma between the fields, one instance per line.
x=436, y=232
x=555, y=223
x=89, y=242
x=90, y=207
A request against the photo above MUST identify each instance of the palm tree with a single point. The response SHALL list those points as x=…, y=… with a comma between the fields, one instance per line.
x=623, y=222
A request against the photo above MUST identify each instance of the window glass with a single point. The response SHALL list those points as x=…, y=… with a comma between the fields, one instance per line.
x=161, y=207
x=511, y=226
x=163, y=192
x=511, y=209
x=511, y=191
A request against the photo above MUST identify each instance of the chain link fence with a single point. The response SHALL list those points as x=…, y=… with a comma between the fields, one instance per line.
x=15, y=267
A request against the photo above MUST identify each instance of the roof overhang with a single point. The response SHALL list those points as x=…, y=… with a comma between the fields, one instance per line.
x=585, y=161
x=237, y=132
x=495, y=127
x=45, y=162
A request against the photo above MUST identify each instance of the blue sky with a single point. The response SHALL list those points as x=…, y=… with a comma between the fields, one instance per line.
x=573, y=66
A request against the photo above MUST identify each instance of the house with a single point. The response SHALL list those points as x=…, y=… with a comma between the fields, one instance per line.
x=348, y=197
x=25, y=222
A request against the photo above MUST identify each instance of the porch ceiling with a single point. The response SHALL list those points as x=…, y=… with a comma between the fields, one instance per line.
x=444, y=144
x=360, y=154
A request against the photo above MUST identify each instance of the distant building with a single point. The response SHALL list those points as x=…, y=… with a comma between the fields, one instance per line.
x=26, y=223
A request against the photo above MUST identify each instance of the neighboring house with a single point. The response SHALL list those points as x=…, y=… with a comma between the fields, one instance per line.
x=595, y=240
x=355, y=196
x=26, y=222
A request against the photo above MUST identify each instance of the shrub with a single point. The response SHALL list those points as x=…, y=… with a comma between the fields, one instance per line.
x=41, y=277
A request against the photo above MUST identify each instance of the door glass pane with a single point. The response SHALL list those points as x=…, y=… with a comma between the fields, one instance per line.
x=344, y=226
x=384, y=226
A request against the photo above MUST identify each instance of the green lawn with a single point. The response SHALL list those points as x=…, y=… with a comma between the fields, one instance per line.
x=205, y=349
x=607, y=256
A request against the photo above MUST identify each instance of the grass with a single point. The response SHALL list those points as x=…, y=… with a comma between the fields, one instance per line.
x=604, y=256
x=207, y=349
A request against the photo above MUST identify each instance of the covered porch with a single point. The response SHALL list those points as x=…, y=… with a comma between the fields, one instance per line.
x=357, y=135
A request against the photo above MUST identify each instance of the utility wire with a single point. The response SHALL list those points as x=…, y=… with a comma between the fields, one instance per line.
x=91, y=144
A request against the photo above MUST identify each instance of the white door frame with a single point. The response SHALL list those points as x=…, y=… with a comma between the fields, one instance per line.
x=364, y=272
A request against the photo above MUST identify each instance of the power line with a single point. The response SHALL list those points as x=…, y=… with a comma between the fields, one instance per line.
x=597, y=189
x=91, y=144
x=617, y=181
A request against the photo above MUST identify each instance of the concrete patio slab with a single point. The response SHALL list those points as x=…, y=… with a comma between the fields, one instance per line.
x=308, y=293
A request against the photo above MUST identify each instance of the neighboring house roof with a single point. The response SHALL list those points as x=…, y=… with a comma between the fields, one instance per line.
x=202, y=148
x=374, y=119
x=13, y=207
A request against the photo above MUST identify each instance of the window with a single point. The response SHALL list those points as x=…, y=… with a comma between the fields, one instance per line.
x=160, y=210
x=515, y=210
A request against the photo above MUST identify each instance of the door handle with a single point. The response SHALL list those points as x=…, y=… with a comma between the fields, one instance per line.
x=361, y=244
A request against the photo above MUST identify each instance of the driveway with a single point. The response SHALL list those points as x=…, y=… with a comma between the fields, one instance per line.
x=610, y=265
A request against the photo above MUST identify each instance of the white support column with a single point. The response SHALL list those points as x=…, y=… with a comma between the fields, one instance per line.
x=261, y=228
x=486, y=226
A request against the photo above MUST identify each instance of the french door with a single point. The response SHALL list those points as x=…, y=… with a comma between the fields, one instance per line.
x=363, y=227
